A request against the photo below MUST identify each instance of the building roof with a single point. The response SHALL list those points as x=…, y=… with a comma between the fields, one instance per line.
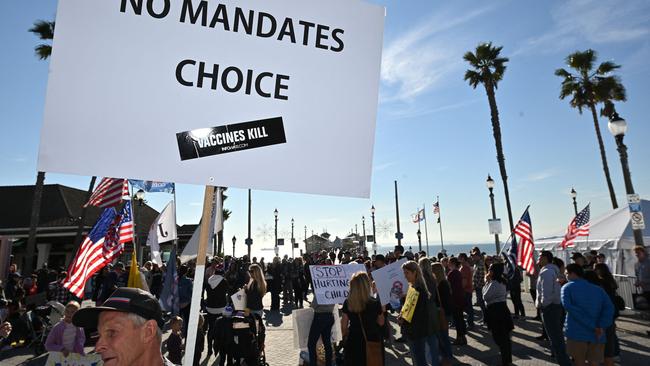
x=60, y=208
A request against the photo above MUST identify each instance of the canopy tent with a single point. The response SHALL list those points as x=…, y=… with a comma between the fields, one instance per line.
x=610, y=234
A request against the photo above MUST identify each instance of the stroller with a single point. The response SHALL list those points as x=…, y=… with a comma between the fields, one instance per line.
x=42, y=320
x=242, y=337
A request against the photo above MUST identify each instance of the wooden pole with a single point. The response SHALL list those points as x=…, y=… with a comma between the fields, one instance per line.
x=199, y=273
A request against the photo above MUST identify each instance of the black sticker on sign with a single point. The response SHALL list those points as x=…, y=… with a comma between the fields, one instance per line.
x=229, y=138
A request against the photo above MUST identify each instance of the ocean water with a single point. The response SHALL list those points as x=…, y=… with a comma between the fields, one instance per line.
x=434, y=249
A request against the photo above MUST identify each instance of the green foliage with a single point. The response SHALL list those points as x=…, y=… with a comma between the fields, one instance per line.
x=589, y=87
x=487, y=67
x=45, y=31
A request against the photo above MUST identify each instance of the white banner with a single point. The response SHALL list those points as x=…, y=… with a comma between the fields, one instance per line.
x=391, y=283
x=162, y=230
x=73, y=359
x=302, y=319
x=332, y=282
x=222, y=93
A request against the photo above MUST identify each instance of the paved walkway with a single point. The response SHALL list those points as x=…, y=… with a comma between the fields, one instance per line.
x=481, y=350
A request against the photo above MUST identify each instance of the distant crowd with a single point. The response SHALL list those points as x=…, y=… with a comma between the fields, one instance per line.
x=577, y=304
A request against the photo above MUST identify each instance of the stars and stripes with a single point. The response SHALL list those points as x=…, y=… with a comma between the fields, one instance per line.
x=525, y=248
x=109, y=193
x=418, y=217
x=104, y=242
x=579, y=226
x=436, y=209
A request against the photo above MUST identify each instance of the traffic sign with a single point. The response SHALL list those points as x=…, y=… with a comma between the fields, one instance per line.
x=637, y=220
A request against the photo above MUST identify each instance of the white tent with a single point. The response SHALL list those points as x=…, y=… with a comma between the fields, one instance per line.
x=610, y=234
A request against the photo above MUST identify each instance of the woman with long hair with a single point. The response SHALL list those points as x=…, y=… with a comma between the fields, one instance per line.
x=361, y=321
x=444, y=301
x=422, y=328
x=608, y=283
x=498, y=316
x=255, y=290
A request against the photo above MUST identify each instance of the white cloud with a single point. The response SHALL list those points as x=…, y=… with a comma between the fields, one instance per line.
x=541, y=175
x=384, y=166
x=593, y=21
x=420, y=59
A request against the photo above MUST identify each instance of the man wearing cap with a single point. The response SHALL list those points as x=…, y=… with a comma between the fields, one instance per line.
x=129, y=325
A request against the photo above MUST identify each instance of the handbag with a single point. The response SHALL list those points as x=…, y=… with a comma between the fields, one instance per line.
x=374, y=354
x=442, y=318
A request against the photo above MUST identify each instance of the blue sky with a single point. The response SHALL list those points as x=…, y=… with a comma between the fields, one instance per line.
x=433, y=130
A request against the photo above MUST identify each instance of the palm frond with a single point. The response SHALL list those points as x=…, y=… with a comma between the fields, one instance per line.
x=43, y=29
x=43, y=51
x=473, y=77
x=582, y=61
x=606, y=67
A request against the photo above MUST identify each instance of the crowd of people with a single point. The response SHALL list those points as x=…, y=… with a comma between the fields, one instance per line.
x=577, y=305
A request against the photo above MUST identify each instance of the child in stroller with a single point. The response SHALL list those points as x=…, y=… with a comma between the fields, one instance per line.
x=240, y=339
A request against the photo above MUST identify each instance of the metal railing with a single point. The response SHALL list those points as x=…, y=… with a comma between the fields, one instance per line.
x=626, y=289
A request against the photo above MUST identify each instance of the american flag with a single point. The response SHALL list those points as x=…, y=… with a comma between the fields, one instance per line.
x=579, y=226
x=418, y=217
x=104, y=242
x=526, y=247
x=436, y=209
x=109, y=193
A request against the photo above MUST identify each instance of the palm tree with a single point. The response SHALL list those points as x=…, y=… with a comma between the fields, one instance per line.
x=45, y=31
x=587, y=88
x=226, y=215
x=488, y=69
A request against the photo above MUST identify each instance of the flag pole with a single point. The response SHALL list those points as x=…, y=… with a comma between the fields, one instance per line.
x=417, y=210
x=442, y=243
x=426, y=231
x=135, y=227
x=199, y=274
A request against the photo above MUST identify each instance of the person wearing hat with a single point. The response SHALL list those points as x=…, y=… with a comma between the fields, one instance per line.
x=129, y=324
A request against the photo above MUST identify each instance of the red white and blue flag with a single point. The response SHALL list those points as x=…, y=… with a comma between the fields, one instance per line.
x=579, y=226
x=418, y=217
x=109, y=193
x=521, y=253
x=103, y=244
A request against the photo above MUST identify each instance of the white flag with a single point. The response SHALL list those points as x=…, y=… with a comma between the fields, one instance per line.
x=162, y=230
x=217, y=214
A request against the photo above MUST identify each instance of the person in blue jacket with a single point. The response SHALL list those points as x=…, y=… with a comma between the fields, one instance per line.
x=589, y=312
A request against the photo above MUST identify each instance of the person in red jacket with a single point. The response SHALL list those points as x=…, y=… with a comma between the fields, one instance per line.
x=455, y=279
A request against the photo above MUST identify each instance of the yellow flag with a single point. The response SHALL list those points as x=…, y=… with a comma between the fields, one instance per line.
x=134, y=274
x=409, y=304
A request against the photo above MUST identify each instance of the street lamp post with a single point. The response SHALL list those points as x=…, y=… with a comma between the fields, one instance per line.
x=363, y=224
x=374, y=236
x=292, y=238
x=249, y=240
x=233, y=246
x=275, y=213
x=490, y=185
x=574, y=194
x=618, y=126
x=419, y=240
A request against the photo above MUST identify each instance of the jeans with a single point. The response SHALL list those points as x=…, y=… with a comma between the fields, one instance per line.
x=552, y=319
x=418, y=350
x=469, y=309
x=515, y=296
x=479, y=299
x=321, y=327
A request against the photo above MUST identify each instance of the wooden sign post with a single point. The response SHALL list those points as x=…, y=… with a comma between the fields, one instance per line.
x=199, y=273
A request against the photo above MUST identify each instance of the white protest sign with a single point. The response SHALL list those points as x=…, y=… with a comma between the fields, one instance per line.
x=332, y=282
x=223, y=93
x=73, y=359
x=391, y=283
x=302, y=319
